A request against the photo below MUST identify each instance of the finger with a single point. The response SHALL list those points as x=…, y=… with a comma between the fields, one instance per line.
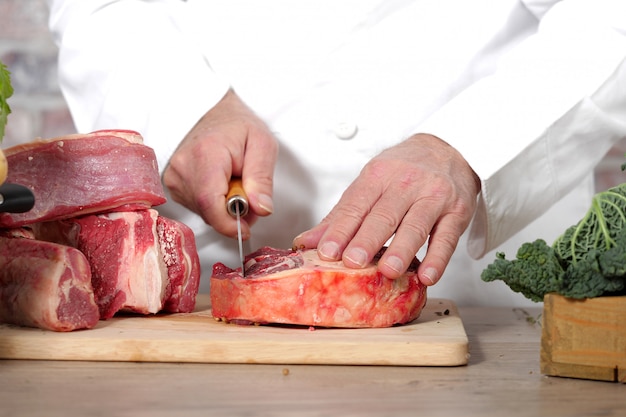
x=443, y=241
x=345, y=218
x=379, y=225
x=256, y=166
x=311, y=237
x=211, y=201
x=411, y=235
x=211, y=160
x=384, y=220
x=208, y=170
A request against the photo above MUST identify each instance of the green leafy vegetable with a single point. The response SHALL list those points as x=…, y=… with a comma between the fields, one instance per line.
x=587, y=260
x=535, y=272
x=598, y=229
x=6, y=90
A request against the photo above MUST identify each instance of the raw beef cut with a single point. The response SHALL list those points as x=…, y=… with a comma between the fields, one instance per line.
x=297, y=287
x=45, y=285
x=128, y=272
x=93, y=199
x=18, y=232
x=178, y=246
x=84, y=173
x=140, y=262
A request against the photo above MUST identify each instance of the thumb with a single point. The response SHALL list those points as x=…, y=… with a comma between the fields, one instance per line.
x=260, y=196
x=258, y=174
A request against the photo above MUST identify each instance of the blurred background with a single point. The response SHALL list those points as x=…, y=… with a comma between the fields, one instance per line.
x=27, y=49
x=38, y=107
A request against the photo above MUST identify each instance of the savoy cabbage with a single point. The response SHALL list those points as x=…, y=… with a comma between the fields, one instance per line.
x=587, y=260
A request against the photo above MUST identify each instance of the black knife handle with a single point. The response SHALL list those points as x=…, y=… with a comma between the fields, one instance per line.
x=15, y=198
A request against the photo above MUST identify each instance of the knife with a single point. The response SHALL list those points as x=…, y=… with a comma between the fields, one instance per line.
x=237, y=206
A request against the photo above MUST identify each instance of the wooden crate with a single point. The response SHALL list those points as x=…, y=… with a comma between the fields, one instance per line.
x=584, y=338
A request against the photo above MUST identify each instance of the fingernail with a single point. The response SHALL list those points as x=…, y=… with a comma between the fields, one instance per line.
x=294, y=242
x=329, y=250
x=266, y=203
x=431, y=275
x=395, y=263
x=357, y=256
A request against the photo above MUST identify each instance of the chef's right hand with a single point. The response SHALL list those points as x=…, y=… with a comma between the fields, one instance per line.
x=228, y=141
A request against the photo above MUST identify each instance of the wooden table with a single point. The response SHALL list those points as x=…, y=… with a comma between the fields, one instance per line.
x=502, y=379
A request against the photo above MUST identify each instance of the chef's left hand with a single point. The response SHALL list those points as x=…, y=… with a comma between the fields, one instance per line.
x=419, y=189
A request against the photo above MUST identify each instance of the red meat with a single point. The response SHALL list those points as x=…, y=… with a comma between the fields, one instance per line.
x=128, y=272
x=297, y=287
x=140, y=262
x=45, y=285
x=80, y=174
x=94, y=193
x=178, y=246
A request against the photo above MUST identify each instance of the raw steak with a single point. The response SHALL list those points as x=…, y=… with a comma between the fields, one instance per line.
x=297, y=287
x=18, y=232
x=127, y=267
x=141, y=262
x=178, y=245
x=84, y=173
x=45, y=285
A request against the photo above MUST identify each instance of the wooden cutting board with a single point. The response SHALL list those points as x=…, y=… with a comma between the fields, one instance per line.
x=436, y=338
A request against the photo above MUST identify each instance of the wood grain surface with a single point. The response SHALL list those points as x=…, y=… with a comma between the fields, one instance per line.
x=584, y=338
x=502, y=378
x=436, y=338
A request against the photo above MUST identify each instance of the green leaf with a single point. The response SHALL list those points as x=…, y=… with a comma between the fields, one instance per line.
x=6, y=91
x=593, y=275
x=587, y=260
x=598, y=229
x=534, y=272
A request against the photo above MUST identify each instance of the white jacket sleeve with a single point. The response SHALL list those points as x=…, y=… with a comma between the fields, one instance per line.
x=129, y=64
x=568, y=82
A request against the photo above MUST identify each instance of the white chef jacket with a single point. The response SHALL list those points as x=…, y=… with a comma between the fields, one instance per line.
x=531, y=92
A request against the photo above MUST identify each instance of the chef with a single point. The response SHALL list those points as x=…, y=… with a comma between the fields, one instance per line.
x=426, y=125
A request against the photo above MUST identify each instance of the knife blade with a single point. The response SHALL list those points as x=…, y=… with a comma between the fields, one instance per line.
x=237, y=207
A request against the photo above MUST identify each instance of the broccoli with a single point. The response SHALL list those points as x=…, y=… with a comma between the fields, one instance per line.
x=587, y=260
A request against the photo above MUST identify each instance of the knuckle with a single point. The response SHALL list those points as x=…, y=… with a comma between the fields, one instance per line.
x=369, y=242
x=416, y=227
x=205, y=203
x=348, y=212
x=385, y=218
x=375, y=169
x=443, y=243
x=441, y=189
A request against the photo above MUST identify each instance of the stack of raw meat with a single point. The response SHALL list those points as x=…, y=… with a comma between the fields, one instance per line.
x=92, y=245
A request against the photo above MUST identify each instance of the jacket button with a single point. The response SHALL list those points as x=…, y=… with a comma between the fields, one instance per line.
x=345, y=130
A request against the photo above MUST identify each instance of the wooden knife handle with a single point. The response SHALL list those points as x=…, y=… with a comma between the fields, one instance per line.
x=236, y=197
x=3, y=167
